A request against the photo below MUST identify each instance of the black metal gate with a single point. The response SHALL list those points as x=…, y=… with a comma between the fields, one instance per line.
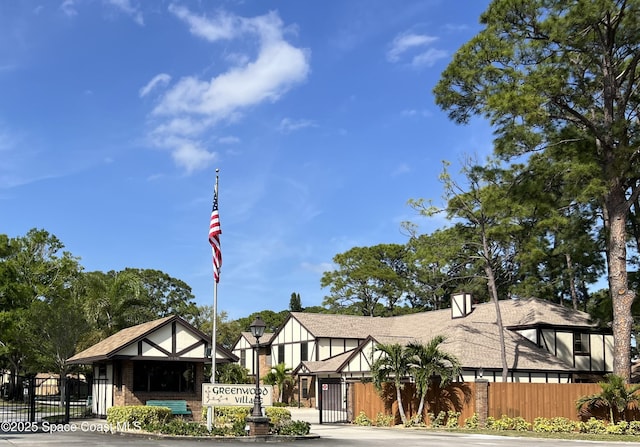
x=30, y=399
x=332, y=402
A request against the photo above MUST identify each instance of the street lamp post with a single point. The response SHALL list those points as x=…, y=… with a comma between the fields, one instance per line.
x=257, y=330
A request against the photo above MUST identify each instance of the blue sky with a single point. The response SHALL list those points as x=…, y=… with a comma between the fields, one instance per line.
x=115, y=114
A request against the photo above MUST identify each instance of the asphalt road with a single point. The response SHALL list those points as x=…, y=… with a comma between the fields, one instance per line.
x=328, y=435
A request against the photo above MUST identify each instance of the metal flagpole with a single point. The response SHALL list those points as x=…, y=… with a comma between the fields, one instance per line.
x=215, y=299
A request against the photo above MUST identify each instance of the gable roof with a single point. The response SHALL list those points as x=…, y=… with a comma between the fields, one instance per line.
x=108, y=347
x=473, y=339
x=515, y=313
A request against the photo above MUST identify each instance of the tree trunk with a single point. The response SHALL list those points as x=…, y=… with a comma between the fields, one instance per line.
x=621, y=297
x=572, y=281
x=403, y=416
x=493, y=290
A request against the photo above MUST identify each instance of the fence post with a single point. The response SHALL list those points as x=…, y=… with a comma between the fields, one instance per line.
x=482, y=401
x=67, y=399
x=31, y=396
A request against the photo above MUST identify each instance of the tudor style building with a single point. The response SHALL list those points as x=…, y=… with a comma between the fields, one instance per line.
x=544, y=342
x=160, y=359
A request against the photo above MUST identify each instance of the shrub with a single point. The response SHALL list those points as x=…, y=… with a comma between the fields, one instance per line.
x=294, y=428
x=593, y=426
x=437, y=421
x=634, y=428
x=179, y=427
x=472, y=422
x=385, y=420
x=362, y=419
x=452, y=419
x=278, y=415
x=138, y=413
x=617, y=429
x=555, y=425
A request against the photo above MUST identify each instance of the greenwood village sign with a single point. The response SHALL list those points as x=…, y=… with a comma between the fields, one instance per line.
x=216, y=395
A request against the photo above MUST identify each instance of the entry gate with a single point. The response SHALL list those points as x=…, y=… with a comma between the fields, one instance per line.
x=332, y=401
x=37, y=399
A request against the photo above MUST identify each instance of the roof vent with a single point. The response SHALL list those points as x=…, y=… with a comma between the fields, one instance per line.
x=461, y=305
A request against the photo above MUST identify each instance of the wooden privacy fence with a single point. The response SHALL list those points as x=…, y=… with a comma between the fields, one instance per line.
x=526, y=400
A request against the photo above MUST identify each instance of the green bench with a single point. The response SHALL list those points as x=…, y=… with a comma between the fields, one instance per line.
x=176, y=406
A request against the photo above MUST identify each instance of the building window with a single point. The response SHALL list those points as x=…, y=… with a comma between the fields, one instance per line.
x=281, y=354
x=174, y=377
x=243, y=358
x=581, y=343
x=304, y=351
x=305, y=388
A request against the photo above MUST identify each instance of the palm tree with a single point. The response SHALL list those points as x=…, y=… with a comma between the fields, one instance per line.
x=615, y=395
x=392, y=365
x=279, y=375
x=427, y=362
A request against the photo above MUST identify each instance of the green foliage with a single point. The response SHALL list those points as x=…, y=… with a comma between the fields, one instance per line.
x=369, y=281
x=427, y=361
x=553, y=76
x=391, y=366
x=278, y=415
x=507, y=423
x=141, y=414
x=384, y=420
x=280, y=376
x=439, y=420
x=362, y=419
x=555, y=425
x=452, y=419
x=472, y=422
x=295, y=303
x=232, y=373
x=616, y=395
x=593, y=426
x=178, y=427
x=293, y=428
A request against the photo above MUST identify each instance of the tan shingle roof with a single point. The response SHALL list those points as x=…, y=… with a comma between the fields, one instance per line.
x=118, y=341
x=111, y=345
x=473, y=339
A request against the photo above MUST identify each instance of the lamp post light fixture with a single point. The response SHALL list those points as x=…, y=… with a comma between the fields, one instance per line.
x=257, y=328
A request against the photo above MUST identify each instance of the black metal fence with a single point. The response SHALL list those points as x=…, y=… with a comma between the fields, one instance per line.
x=332, y=404
x=37, y=399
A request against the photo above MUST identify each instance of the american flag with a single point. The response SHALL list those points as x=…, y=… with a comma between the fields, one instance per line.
x=214, y=237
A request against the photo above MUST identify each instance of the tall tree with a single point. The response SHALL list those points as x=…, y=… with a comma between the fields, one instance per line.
x=295, y=304
x=165, y=295
x=487, y=219
x=540, y=67
x=369, y=281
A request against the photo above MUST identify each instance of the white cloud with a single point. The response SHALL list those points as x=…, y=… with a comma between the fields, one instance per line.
x=126, y=7
x=428, y=58
x=222, y=26
x=192, y=106
x=68, y=7
x=406, y=42
x=190, y=156
x=288, y=125
x=158, y=80
x=318, y=268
